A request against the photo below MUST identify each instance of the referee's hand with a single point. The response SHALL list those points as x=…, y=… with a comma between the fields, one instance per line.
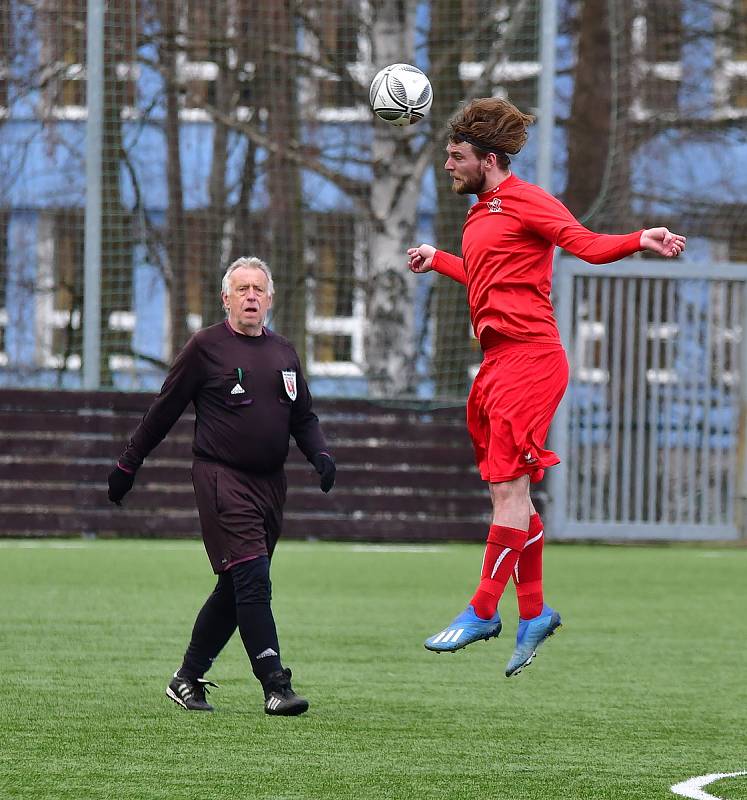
x=324, y=464
x=120, y=482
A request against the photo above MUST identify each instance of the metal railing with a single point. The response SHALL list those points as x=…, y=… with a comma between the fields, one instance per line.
x=652, y=428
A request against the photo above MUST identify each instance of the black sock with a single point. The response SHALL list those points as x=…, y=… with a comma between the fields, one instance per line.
x=252, y=588
x=258, y=632
x=213, y=627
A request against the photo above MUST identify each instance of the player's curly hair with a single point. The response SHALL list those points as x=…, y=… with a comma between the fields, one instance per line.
x=491, y=125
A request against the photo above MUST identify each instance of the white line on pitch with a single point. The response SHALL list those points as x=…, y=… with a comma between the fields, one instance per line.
x=396, y=548
x=693, y=787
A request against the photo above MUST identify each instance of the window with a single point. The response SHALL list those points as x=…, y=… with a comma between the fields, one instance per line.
x=5, y=52
x=522, y=82
x=340, y=28
x=68, y=296
x=198, y=255
x=662, y=52
x=663, y=31
x=202, y=273
x=120, y=49
x=59, y=298
x=735, y=68
x=206, y=32
x=247, y=42
x=330, y=347
x=738, y=245
x=336, y=306
x=738, y=91
x=657, y=40
x=481, y=17
x=204, y=269
x=334, y=47
x=220, y=42
x=63, y=52
x=3, y=285
x=331, y=268
x=64, y=27
x=738, y=29
x=517, y=69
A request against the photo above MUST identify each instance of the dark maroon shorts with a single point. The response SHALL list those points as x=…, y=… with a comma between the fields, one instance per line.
x=241, y=513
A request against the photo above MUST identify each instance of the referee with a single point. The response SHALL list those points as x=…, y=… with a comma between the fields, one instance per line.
x=249, y=396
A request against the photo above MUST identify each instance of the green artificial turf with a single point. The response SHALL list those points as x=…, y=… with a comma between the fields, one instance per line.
x=644, y=686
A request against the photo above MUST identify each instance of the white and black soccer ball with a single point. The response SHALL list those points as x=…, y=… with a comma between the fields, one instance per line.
x=400, y=94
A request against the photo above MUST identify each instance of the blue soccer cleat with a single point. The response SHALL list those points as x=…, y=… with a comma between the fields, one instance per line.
x=464, y=630
x=529, y=636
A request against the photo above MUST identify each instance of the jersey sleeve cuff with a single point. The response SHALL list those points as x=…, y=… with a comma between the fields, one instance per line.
x=449, y=265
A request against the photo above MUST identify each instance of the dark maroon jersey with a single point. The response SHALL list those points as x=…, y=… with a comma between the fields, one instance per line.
x=249, y=396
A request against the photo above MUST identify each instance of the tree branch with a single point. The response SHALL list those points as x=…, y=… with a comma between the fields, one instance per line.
x=356, y=189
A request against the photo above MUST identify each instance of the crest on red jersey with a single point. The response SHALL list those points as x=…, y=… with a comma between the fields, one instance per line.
x=289, y=383
x=494, y=205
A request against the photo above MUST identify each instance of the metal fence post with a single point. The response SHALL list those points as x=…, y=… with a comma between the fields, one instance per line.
x=558, y=436
x=546, y=126
x=92, y=236
x=741, y=509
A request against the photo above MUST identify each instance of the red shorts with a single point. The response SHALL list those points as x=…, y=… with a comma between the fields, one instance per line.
x=510, y=408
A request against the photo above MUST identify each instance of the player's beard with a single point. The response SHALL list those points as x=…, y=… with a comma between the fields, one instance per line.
x=471, y=185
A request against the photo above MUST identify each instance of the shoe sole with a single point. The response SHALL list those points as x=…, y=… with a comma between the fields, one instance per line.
x=175, y=697
x=534, y=652
x=291, y=712
x=492, y=635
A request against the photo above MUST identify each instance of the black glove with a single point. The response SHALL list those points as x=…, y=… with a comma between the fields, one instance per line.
x=120, y=482
x=324, y=464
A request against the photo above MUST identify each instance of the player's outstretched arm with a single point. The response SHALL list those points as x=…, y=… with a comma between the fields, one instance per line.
x=663, y=242
x=427, y=257
x=420, y=259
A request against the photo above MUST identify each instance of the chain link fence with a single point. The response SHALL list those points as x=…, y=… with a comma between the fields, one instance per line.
x=241, y=128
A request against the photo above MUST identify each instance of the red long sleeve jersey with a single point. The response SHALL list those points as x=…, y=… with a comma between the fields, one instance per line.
x=507, y=242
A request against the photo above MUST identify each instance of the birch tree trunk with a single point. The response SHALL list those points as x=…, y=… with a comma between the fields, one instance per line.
x=389, y=338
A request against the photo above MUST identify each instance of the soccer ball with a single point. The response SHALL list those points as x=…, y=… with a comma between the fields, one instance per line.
x=400, y=94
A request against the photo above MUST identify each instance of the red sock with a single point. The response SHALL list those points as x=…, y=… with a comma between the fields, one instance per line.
x=528, y=571
x=501, y=554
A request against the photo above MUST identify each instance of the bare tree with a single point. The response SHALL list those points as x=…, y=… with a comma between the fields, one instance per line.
x=398, y=159
x=213, y=262
x=602, y=82
x=450, y=353
x=116, y=221
x=174, y=238
x=278, y=96
x=397, y=171
x=262, y=140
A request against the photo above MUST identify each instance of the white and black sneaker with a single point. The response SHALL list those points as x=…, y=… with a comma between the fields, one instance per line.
x=280, y=699
x=190, y=694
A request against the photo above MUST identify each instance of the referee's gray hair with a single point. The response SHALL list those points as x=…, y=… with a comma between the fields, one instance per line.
x=252, y=263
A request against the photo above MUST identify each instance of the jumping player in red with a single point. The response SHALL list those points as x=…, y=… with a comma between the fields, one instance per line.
x=508, y=241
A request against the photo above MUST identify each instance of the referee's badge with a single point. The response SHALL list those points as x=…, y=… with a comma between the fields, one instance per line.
x=289, y=382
